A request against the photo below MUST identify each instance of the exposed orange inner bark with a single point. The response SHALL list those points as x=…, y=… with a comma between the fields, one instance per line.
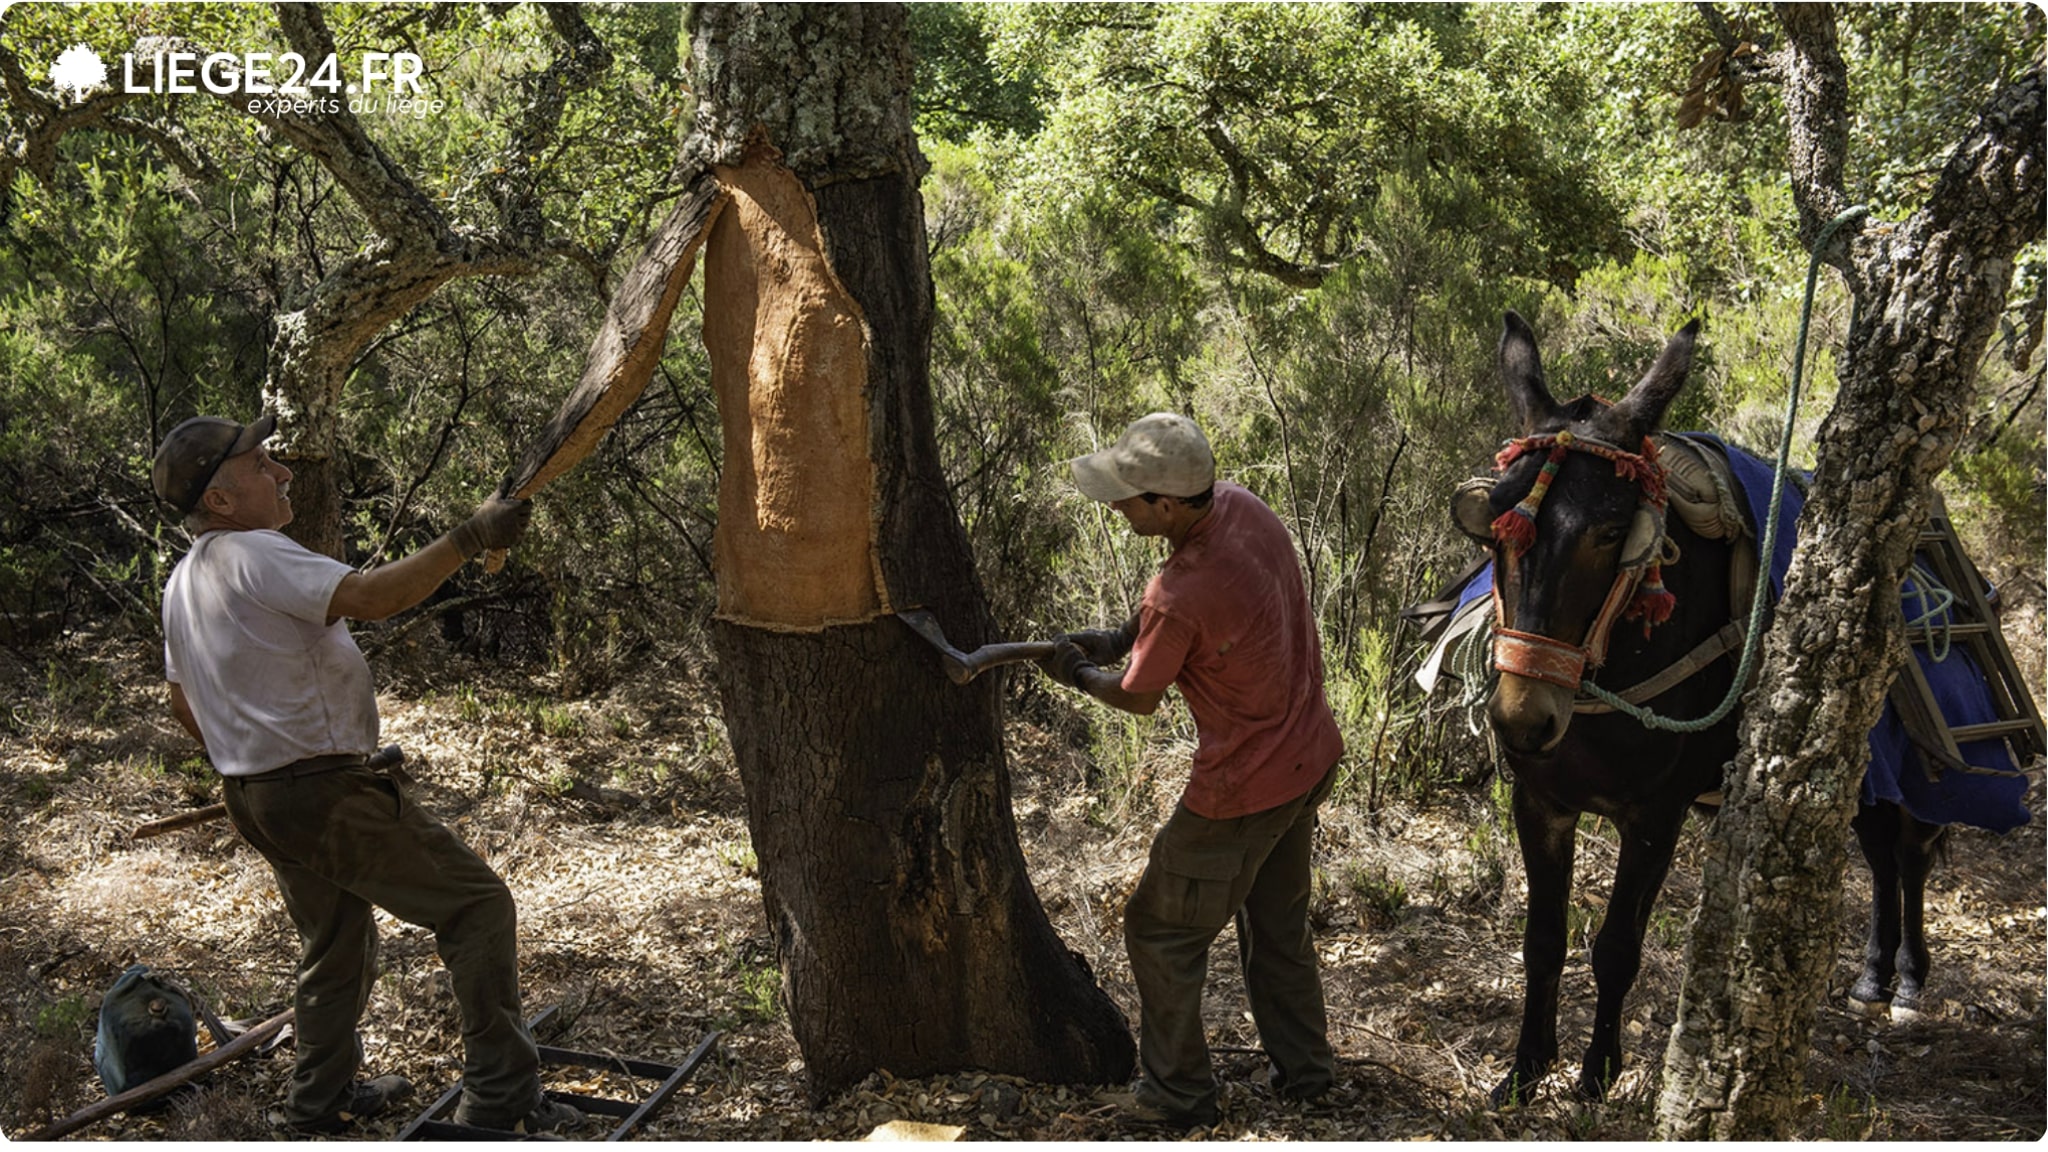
x=794, y=544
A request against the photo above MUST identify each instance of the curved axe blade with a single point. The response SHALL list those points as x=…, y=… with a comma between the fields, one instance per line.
x=964, y=666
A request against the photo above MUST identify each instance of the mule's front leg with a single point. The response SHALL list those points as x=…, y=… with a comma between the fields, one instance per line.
x=1647, y=842
x=1546, y=834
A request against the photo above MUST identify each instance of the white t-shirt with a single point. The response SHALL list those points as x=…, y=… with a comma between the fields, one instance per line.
x=246, y=636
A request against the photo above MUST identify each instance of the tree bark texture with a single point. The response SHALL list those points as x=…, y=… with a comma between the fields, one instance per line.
x=878, y=795
x=1928, y=294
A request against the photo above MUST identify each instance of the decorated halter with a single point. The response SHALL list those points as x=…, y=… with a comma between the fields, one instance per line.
x=1639, y=585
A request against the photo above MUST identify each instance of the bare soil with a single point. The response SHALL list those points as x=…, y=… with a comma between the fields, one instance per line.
x=617, y=820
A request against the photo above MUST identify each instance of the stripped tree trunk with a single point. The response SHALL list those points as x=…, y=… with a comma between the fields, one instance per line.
x=877, y=793
x=1928, y=294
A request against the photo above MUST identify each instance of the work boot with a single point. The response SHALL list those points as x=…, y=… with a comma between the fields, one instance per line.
x=547, y=1116
x=1307, y=1089
x=1131, y=1108
x=371, y=1096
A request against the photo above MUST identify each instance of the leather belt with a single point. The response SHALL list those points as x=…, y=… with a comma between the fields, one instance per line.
x=311, y=766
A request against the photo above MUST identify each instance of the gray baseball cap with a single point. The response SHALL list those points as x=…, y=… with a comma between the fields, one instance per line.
x=1164, y=453
x=188, y=458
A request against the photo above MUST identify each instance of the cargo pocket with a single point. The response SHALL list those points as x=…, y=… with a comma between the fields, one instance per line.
x=1195, y=884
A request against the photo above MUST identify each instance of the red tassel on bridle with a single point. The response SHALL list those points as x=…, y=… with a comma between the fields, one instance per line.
x=1653, y=603
x=1515, y=528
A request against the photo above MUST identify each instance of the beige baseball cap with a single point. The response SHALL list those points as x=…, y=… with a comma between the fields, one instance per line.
x=1164, y=453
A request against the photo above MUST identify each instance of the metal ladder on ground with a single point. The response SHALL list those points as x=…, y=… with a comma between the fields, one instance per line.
x=437, y=1122
x=1973, y=627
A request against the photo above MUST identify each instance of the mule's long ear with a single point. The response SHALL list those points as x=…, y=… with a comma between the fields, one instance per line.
x=1642, y=410
x=1521, y=373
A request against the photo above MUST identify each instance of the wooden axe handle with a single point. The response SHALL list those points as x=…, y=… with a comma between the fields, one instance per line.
x=181, y=820
x=994, y=655
x=627, y=348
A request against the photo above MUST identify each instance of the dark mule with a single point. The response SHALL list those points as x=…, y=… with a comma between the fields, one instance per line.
x=1576, y=522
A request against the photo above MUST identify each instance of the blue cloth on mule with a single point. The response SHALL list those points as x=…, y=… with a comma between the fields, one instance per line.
x=1996, y=803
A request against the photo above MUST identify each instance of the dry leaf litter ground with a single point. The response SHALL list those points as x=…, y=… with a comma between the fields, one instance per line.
x=617, y=820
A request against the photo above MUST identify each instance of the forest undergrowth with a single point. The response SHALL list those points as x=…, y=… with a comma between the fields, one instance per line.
x=618, y=821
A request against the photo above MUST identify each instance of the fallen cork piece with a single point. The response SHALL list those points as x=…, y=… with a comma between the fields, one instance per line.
x=912, y=1130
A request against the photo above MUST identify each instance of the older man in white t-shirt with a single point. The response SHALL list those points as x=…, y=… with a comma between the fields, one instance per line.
x=265, y=675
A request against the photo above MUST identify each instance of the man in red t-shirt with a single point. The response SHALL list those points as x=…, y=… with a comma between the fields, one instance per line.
x=1227, y=620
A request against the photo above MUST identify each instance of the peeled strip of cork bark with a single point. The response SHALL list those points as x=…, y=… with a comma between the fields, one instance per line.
x=627, y=348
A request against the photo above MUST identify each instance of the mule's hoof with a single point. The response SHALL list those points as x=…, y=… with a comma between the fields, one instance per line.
x=1593, y=1086
x=1906, y=1009
x=1870, y=1009
x=1518, y=1089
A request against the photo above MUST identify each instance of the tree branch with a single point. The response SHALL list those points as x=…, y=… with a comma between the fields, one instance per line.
x=1816, y=95
x=1717, y=24
x=580, y=60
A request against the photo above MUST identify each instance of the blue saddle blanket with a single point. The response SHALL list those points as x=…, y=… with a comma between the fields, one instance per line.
x=1996, y=803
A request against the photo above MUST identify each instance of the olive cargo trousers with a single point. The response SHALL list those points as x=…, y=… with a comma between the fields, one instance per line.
x=1202, y=873
x=342, y=840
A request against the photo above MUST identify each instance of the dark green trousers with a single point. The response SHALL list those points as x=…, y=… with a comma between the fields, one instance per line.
x=341, y=841
x=1201, y=874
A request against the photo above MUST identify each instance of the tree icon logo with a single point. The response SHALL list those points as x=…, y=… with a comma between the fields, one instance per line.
x=78, y=70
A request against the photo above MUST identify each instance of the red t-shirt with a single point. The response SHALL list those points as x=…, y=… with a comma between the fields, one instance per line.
x=1227, y=620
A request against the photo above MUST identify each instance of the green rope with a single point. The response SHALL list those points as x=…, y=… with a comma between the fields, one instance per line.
x=1933, y=601
x=1472, y=664
x=1768, y=547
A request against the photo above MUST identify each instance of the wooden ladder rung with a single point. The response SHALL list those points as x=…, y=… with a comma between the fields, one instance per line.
x=1975, y=624
x=1917, y=633
x=1968, y=732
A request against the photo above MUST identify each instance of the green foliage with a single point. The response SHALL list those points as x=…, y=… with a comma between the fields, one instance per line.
x=1381, y=895
x=1271, y=130
x=556, y=721
x=738, y=855
x=1923, y=74
x=63, y=1019
x=1297, y=223
x=1848, y=1115
x=761, y=993
x=959, y=90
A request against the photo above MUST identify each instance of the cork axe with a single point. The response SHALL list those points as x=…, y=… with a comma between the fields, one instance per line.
x=964, y=666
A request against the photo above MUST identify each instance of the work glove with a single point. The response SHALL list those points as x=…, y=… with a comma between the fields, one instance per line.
x=1065, y=662
x=497, y=523
x=1102, y=645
